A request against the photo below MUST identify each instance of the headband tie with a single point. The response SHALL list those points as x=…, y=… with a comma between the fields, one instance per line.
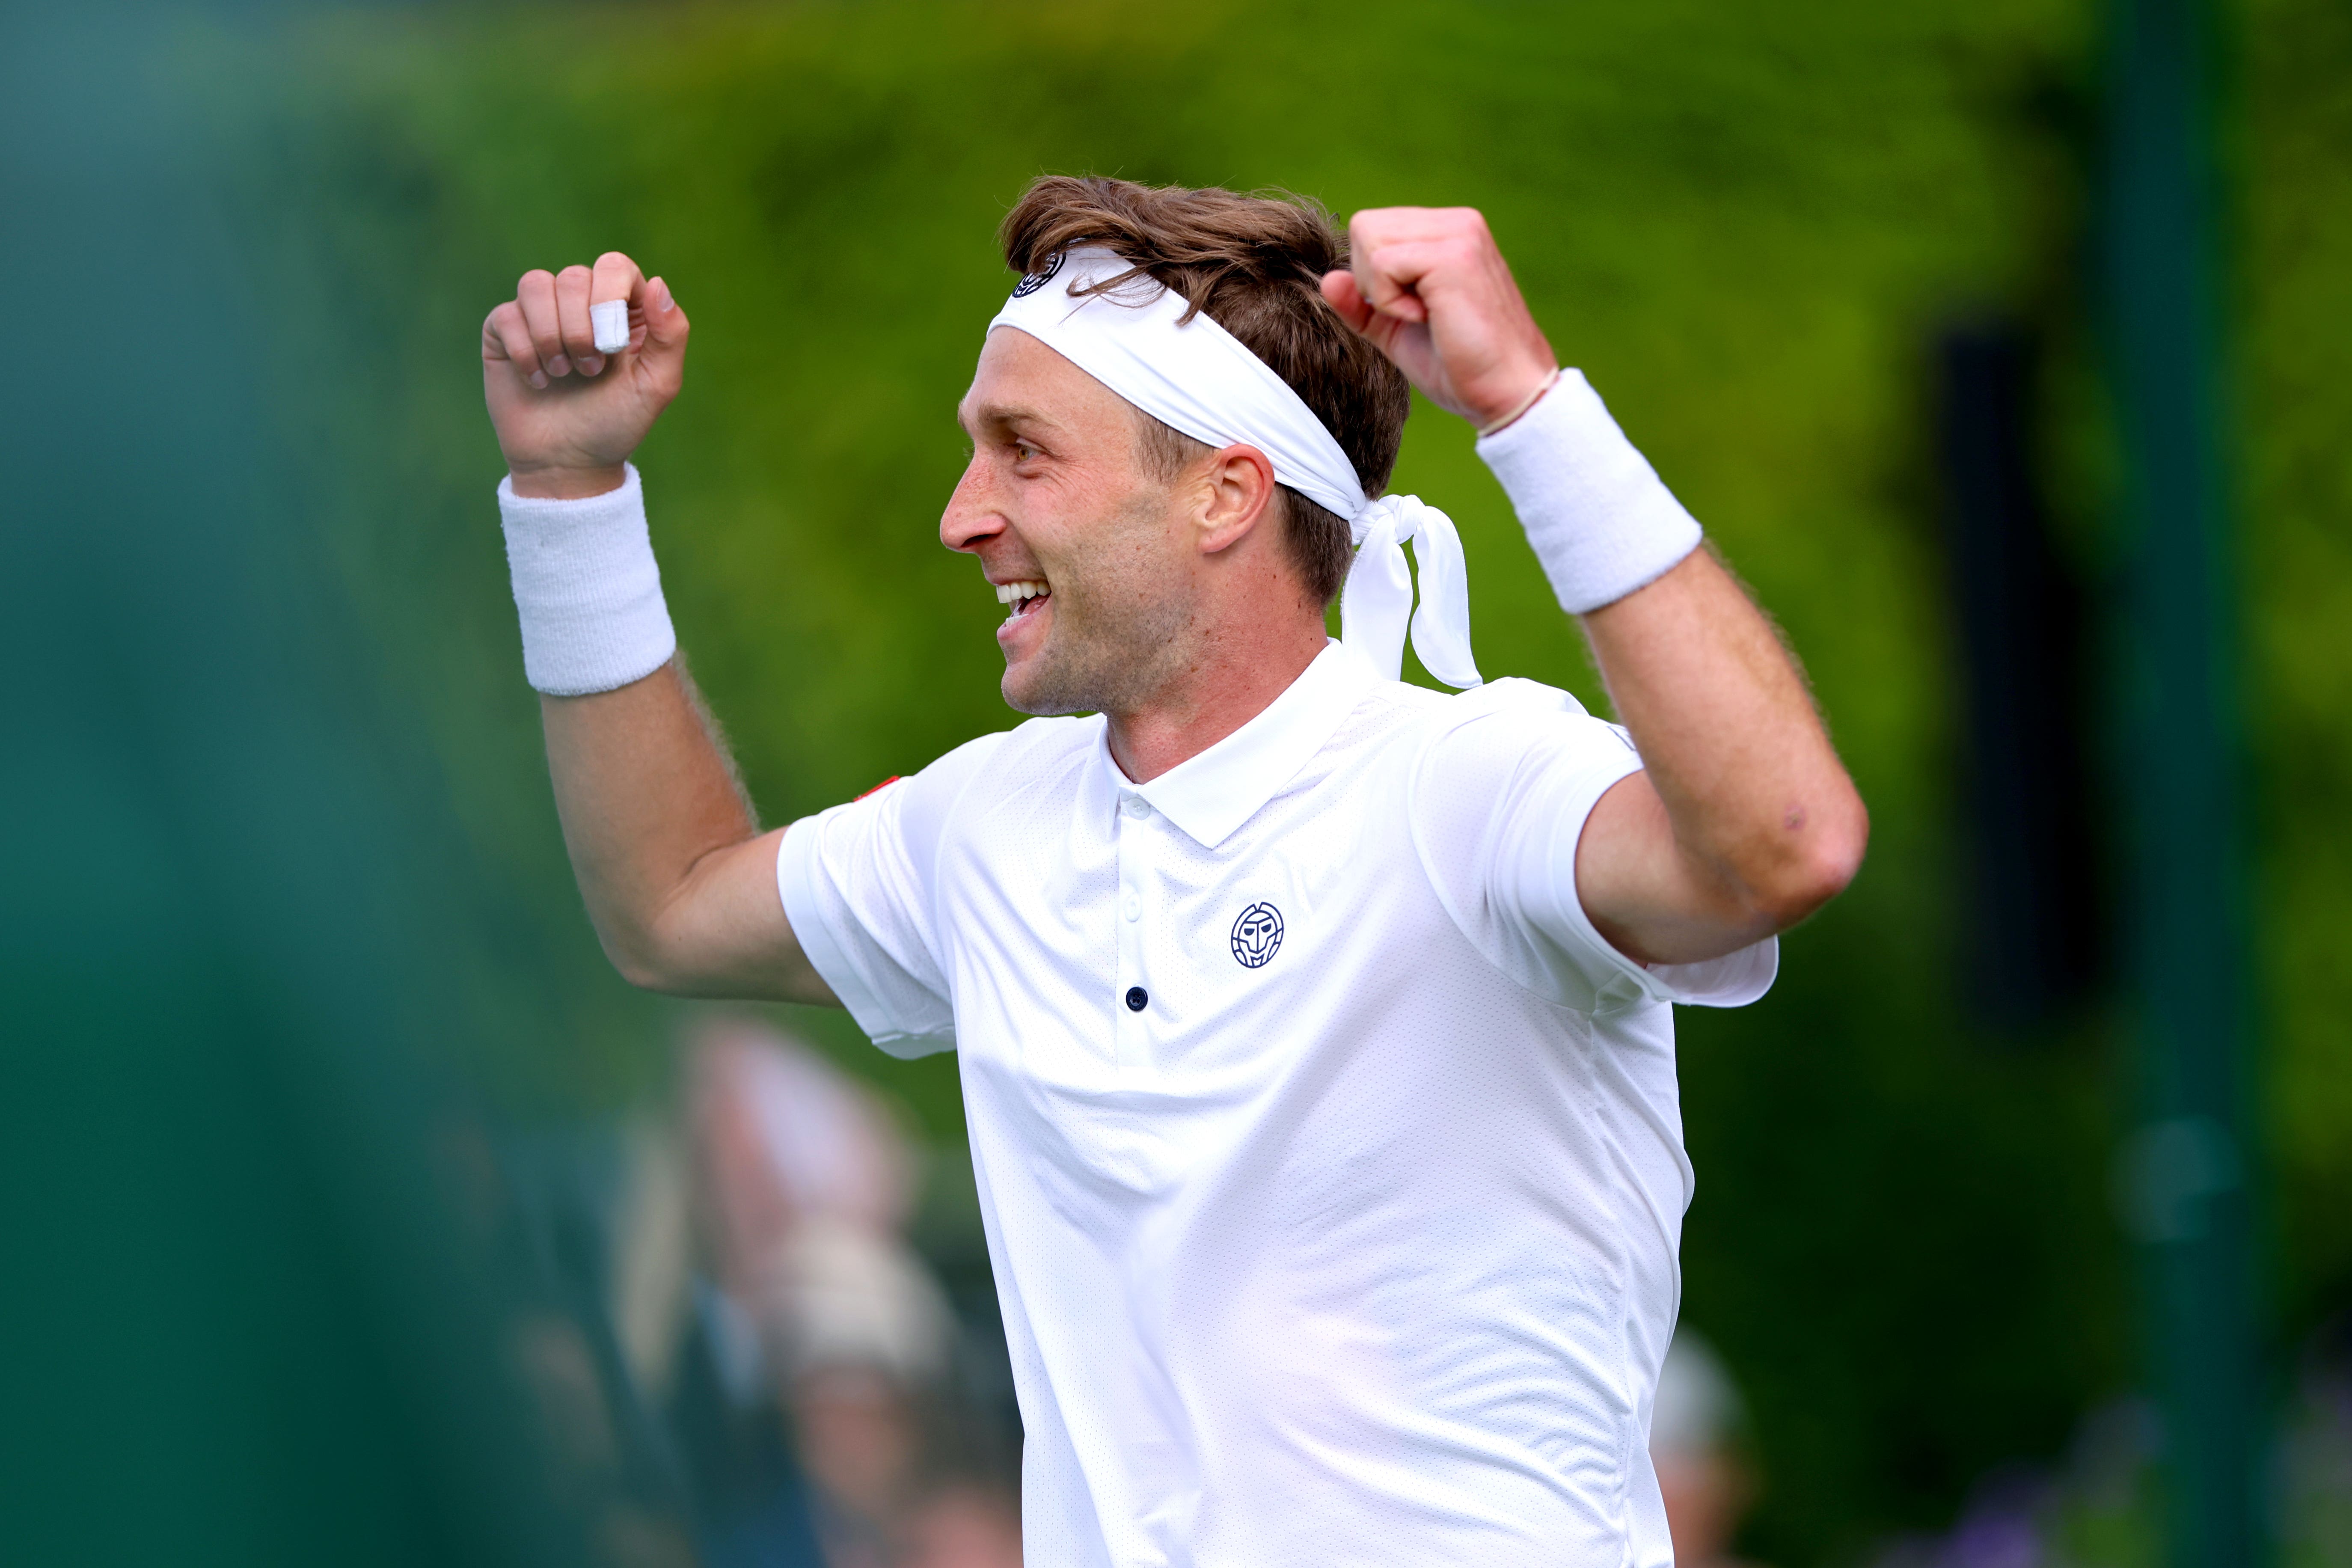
x=1196, y=377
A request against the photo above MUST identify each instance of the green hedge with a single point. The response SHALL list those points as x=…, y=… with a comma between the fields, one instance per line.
x=1742, y=222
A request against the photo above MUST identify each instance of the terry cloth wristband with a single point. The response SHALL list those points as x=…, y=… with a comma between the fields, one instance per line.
x=1600, y=520
x=586, y=588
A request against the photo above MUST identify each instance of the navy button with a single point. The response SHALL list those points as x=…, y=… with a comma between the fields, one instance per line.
x=1136, y=999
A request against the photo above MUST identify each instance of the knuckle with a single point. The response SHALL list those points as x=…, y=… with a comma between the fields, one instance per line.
x=615, y=258
x=537, y=275
x=575, y=273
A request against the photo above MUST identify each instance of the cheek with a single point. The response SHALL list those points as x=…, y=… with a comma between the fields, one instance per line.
x=1129, y=547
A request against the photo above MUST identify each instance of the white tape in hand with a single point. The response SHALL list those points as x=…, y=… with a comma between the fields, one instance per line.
x=610, y=321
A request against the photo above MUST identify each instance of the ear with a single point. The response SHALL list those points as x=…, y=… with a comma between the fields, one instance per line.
x=1237, y=491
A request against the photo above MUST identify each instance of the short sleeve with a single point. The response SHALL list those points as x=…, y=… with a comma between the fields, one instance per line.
x=1500, y=797
x=858, y=888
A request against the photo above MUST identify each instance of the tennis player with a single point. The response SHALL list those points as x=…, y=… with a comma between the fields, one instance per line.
x=1316, y=1030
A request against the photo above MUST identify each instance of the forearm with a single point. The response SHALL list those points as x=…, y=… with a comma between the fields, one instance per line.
x=661, y=837
x=681, y=887
x=1742, y=822
x=1765, y=822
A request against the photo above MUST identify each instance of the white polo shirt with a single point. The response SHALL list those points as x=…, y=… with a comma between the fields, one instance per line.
x=1331, y=1162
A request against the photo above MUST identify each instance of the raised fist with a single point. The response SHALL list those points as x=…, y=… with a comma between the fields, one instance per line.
x=568, y=416
x=1430, y=288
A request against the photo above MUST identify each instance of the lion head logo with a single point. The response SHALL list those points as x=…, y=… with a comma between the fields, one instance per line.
x=1257, y=935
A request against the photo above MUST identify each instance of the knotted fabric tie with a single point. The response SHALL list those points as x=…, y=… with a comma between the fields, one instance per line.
x=1377, y=603
x=1196, y=377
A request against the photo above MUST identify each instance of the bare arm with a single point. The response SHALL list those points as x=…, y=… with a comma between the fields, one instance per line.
x=679, y=883
x=1743, y=822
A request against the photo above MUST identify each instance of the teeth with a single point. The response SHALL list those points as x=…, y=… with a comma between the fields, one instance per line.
x=1014, y=593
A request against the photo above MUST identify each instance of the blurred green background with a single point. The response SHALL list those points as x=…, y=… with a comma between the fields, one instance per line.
x=1746, y=223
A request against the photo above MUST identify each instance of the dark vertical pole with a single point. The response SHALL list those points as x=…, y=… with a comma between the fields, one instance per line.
x=2186, y=1167
x=2035, y=932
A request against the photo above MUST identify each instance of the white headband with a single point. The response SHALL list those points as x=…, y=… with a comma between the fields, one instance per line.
x=1197, y=378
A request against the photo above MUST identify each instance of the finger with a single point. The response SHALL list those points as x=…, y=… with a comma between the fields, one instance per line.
x=1382, y=287
x=1382, y=228
x=1340, y=287
x=1376, y=227
x=1368, y=239
x=506, y=336
x=572, y=318
x=535, y=295
x=658, y=331
x=1426, y=268
x=1399, y=252
x=615, y=307
x=1346, y=298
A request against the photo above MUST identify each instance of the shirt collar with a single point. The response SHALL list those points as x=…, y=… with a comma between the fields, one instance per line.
x=1211, y=794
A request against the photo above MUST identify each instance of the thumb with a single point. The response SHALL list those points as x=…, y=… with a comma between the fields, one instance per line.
x=1347, y=297
x=666, y=324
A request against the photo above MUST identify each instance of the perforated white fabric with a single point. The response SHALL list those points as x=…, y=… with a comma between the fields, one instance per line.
x=1355, y=1244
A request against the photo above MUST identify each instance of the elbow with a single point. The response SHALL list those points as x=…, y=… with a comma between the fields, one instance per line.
x=1809, y=874
x=643, y=976
x=638, y=960
x=638, y=969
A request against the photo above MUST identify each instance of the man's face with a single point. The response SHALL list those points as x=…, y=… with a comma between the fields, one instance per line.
x=1094, y=549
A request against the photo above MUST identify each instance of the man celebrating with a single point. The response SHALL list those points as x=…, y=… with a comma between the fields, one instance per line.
x=1315, y=1029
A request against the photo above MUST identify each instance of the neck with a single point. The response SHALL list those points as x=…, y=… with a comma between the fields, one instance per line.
x=1230, y=681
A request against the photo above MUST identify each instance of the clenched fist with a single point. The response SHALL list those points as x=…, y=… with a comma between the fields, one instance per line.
x=567, y=417
x=1428, y=287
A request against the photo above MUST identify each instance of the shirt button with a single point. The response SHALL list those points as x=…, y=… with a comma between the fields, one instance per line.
x=1133, y=907
x=1136, y=1000
x=1138, y=806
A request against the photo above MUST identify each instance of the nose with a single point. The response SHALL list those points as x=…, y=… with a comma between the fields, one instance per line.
x=970, y=519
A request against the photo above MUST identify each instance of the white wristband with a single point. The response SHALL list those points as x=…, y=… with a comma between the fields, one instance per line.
x=586, y=588
x=1600, y=520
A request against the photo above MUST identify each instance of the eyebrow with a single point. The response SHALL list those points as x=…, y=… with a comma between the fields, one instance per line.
x=998, y=416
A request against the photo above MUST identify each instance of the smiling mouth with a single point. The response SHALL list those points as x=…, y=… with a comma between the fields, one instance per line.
x=1021, y=598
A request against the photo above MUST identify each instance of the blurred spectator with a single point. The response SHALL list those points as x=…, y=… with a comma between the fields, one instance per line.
x=729, y=1338
x=964, y=1525
x=803, y=1187
x=1694, y=1430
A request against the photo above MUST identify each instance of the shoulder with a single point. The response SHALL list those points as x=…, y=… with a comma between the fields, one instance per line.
x=1477, y=738
x=1039, y=751
x=1509, y=723
x=1037, y=754
x=1033, y=744
x=1505, y=759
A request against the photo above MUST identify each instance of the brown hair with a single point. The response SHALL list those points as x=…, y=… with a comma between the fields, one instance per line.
x=1256, y=264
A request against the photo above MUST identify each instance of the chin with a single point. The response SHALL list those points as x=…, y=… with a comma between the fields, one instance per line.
x=1049, y=683
x=1030, y=688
